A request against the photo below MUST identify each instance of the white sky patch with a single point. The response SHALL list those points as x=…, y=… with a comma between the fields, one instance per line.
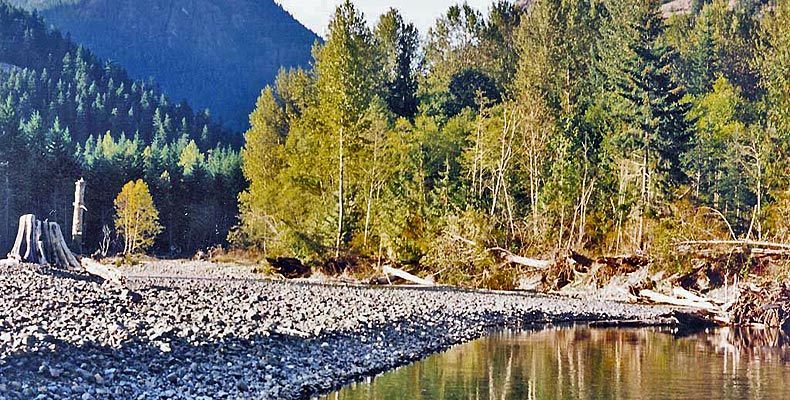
x=315, y=14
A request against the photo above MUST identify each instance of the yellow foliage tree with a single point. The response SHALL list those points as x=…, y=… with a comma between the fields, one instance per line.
x=136, y=217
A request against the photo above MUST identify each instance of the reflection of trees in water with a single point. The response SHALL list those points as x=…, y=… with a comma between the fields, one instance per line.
x=583, y=363
x=747, y=344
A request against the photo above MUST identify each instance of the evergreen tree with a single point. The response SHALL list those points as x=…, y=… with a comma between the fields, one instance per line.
x=400, y=43
x=659, y=132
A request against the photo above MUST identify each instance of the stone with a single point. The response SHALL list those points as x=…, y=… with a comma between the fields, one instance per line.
x=252, y=315
x=82, y=373
x=164, y=347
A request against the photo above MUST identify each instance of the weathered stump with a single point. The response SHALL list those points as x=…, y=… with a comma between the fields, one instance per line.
x=43, y=244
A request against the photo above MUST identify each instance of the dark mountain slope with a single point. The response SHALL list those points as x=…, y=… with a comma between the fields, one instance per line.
x=66, y=114
x=217, y=54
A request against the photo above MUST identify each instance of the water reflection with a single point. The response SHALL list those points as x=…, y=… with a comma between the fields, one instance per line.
x=584, y=363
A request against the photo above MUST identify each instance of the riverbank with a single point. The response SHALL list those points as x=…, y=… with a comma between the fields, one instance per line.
x=213, y=336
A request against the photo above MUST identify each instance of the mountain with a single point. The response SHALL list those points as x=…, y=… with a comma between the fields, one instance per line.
x=67, y=114
x=217, y=54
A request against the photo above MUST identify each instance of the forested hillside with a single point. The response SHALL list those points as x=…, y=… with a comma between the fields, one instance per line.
x=65, y=114
x=217, y=55
x=596, y=125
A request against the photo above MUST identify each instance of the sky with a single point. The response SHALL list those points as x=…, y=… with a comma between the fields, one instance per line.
x=315, y=14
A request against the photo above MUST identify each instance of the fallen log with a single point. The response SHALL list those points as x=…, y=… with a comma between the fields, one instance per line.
x=509, y=256
x=528, y=262
x=525, y=261
x=406, y=276
x=744, y=243
x=656, y=297
x=106, y=272
x=683, y=293
x=697, y=319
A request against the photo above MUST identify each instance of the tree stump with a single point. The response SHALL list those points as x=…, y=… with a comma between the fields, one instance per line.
x=43, y=244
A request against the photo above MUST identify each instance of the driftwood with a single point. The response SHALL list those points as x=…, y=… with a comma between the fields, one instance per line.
x=744, y=243
x=406, y=276
x=758, y=306
x=742, y=248
x=656, y=297
x=43, y=243
x=509, y=256
x=525, y=261
x=763, y=306
x=106, y=272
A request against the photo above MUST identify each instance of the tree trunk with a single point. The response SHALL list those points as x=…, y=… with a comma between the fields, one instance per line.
x=643, y=200
x=79, y=211
x=340, y=200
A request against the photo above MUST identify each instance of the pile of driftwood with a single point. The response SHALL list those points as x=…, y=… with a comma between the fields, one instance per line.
x=723, y=297
x=766, y=305
x=571, y=268
x=713, y=291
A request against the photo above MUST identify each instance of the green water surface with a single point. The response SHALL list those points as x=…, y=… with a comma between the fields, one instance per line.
x=588, y=363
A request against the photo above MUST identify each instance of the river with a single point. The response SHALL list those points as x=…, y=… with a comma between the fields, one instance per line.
x=578, y=362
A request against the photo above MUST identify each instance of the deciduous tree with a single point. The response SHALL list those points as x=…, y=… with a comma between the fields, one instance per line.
x=137, y=219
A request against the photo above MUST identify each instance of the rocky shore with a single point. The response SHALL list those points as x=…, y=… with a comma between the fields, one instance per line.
x=193, y=337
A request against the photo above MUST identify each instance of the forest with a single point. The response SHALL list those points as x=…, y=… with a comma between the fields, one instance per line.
x=533, y=128
x=599, y=126
x=65, y=114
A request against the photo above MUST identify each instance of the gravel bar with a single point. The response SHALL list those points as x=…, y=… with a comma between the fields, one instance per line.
x=68, y=336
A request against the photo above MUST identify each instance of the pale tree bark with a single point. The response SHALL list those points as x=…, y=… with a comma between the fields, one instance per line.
x=535, y=138
x=79, y=212
x=585, y=194
x=340, y=199
x=509, y=128
x=753, y=151
x=374, y=183
x=43, y=244
x=477, y=157
x=643, y=198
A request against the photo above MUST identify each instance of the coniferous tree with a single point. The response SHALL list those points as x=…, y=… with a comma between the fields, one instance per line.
x=659, y=132
x=400, y=42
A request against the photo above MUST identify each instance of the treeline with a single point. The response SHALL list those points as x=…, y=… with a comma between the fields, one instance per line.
x=595, y=125
x=65, y=114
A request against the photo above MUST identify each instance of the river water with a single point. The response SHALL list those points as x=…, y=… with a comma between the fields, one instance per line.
x=578, y=362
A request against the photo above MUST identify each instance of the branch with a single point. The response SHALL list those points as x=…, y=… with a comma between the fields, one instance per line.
x=750, y=243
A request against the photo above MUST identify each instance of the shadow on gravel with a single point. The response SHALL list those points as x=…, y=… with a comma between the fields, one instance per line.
x=274, y=366
x=172, y=368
